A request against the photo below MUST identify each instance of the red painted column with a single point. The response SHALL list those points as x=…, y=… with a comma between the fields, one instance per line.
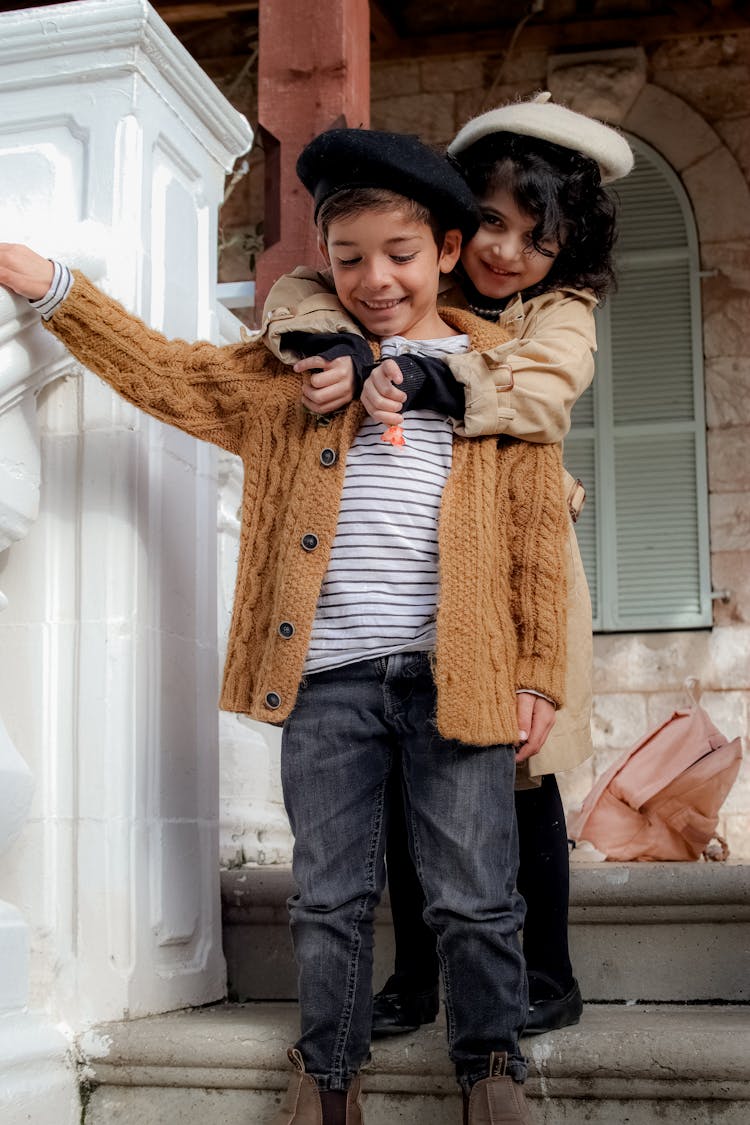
x=313, y=73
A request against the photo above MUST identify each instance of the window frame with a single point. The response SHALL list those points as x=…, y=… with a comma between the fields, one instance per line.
x=603, y=429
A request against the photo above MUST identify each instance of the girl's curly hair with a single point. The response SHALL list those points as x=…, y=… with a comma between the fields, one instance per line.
x=561, y=190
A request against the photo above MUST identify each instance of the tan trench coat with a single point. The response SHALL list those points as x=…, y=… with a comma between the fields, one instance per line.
x=525, y=388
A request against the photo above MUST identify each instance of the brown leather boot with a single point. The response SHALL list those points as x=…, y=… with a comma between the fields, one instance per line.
x=497, y=1100
x=302, y=1105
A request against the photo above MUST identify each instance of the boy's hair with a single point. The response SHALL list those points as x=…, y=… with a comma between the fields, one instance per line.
x=350, y=202
x=562, y=191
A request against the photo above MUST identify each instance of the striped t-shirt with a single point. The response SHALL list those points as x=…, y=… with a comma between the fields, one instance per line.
x=380, y=591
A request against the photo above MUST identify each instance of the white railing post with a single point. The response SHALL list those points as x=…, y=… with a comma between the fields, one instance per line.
x=33, y=1068
x=113, y=154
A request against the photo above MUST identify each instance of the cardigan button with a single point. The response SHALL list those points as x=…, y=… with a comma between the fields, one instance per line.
x=273, y=700
x=309, y=541
x=286, y=630
x=328, y=457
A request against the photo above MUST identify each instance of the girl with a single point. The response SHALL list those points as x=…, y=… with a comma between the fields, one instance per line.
x=538, y=266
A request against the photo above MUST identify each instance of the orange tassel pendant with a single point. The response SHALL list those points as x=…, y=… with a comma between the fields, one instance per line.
x=394, y=435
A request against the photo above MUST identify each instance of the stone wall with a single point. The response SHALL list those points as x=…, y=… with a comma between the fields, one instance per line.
x=690, y=99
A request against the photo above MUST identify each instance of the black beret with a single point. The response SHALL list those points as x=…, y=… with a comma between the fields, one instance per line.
x=342, y=159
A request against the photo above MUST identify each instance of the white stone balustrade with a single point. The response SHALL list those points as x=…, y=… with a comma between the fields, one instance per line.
x=33, y=1070
x=253, y=827
x=113, y=153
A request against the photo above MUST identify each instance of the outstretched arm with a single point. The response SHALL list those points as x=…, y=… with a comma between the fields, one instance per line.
x=205, y=390
x=28, y=274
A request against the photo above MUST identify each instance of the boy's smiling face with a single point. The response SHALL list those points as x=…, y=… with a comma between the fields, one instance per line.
x=386, y=269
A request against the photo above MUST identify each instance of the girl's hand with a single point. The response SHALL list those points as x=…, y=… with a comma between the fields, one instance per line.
x=329, y=384
x=536, y=718
x=26, y=273
x=380, y=398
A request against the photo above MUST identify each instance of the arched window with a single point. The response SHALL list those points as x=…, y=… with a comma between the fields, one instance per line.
x=638, y=439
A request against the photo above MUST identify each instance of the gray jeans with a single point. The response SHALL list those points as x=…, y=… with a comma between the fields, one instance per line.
x=349, y=729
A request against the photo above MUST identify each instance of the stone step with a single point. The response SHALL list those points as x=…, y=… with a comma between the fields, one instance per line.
x=679, y=1064
x=639, y=932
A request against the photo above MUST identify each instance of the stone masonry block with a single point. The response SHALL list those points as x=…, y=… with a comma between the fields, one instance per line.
x=431, y=116
x=712, y=91
x=467, y=106
x=668, y=123
x=391, y=80
x=730, y=711
x=636, y=662
x=525, y=67
x=729, y=514
x=604, y=759
x=440, y=75
x=729, y=665
x=738, y=798
x=728, y=462
x=731, y=263
x=694, y=52
x=662, y=704
x=627, y=662
x=725, y=328
x=735, y=132
x=728, y=391
x=735, y=828
x=618, y=720
x=716, y=177
x=604, y=84
x=730, y=571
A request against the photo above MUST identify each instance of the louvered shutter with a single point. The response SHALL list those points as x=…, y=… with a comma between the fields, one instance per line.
x=638, y=435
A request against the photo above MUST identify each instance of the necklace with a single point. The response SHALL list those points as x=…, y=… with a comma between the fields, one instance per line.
x=487, y=314
x=474, y=298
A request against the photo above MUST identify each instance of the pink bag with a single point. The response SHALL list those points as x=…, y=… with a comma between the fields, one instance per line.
x=661, y=799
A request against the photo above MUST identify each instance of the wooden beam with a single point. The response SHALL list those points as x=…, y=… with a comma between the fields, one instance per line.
x=567, y=35
x=176, y=14
x=313, y=73
x=383, y=34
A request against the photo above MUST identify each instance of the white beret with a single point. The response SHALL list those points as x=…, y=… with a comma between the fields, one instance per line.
x=542, y=118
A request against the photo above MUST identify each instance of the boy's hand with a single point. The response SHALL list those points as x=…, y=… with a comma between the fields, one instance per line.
x=26, y=273
x=536, y=718
x=331, y=384
x=380, y=398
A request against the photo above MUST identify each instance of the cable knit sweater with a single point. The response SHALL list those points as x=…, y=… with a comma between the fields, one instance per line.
x=502, y=532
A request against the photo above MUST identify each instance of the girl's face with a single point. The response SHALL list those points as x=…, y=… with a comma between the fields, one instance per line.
x=500, y=260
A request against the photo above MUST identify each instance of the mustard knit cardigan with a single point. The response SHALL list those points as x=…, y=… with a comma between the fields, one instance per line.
x=502, y=533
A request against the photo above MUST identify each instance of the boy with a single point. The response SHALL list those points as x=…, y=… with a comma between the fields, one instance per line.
x=338, y=582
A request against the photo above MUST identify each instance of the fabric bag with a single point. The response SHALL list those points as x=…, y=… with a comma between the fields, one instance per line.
x=661, y=799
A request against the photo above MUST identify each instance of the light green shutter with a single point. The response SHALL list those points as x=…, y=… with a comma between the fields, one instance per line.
x=638, y=435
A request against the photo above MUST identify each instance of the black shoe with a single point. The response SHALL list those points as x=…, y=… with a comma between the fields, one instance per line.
x=549, y=1007
x=395, y=1012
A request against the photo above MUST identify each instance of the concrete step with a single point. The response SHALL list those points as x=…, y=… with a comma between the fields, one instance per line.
x=678, y=1064
x=639, y=932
